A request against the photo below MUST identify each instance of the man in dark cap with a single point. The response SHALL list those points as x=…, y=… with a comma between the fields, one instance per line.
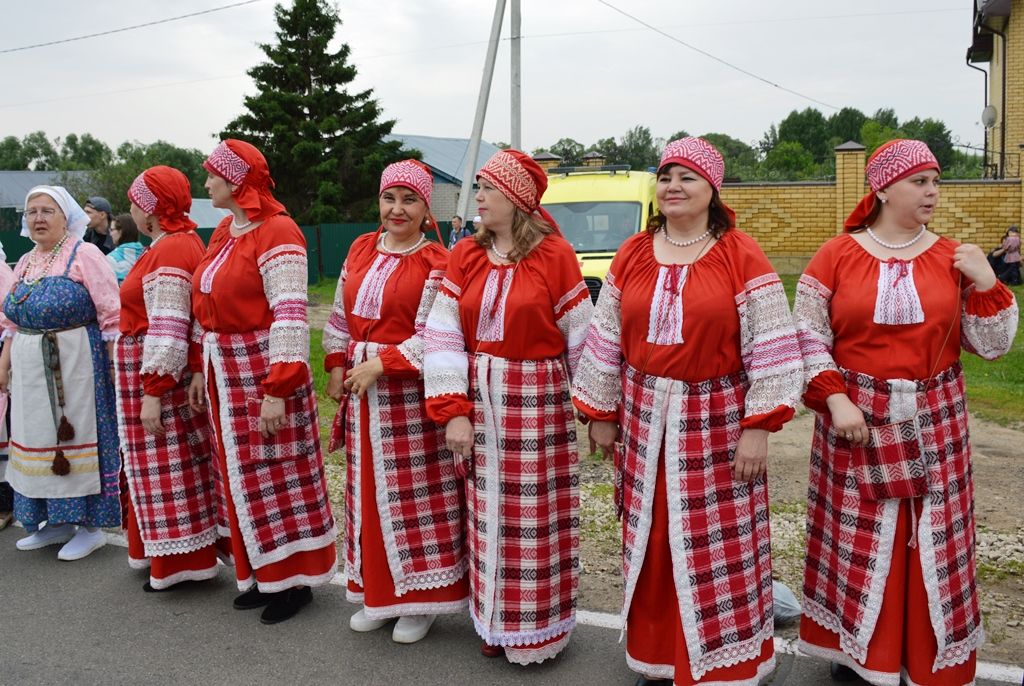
x=98, y=230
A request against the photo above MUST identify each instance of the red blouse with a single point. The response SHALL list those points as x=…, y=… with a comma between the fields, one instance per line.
x=895, y=333
x=242, y=296
x=378, y=300
x=164, y=273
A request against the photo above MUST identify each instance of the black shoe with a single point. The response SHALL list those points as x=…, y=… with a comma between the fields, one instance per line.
x=148, y=588
x=842, y=672
x=286, y=604
x=644, y=681
x=252, y=599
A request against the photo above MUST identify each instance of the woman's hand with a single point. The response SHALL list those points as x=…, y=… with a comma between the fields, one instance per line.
x=847, y=419
x=5, y=379
x=150, y=415
x=602, y=437
x=197, y=392
x=363, y=375
x=336, y=384
x=458, y=436
x=972, y=263
x=271, y=416
x=751, y=458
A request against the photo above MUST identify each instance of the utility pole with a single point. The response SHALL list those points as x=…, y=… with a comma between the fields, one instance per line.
x=481, y=109
x=517, y=101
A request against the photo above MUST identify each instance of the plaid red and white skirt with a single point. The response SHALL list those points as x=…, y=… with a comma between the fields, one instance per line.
x=170, y=477
x=277, y=484
x=419, y=496
x=523, y=502
x=718, y=527
x=850, y=539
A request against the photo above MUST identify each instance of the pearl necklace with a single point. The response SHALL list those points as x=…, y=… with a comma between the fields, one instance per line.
x=385, y=248
x=240, y=227
x=500, y=255
x=46, y=266
x=685, y=244
x=897, y=246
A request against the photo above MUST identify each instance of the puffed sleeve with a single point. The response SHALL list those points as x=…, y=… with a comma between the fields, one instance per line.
x=988, y=321
x=336, y=335
x=93, y=271
x=597, y=387
x=167, y=292
x=445, y=360
x=811, y=314
x=768, y=343
x=573, y=308
x=282, y=266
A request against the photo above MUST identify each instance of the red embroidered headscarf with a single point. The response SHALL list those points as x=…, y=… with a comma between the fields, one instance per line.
x=165, y=193
x=415, y=176
x=242, y=165
x=891, y=162
x=519, y=179
x=702, y=157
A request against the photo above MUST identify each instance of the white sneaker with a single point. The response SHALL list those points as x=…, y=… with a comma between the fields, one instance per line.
x=412, y=628
x=361, y=623
x=82, y=544
x=48, y=535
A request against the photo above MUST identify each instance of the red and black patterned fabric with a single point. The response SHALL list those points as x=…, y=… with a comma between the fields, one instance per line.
x=523, y=494
x=718, y=527
x=170, y=477
x=850, y=540
x=419, y=498
x=277, y=483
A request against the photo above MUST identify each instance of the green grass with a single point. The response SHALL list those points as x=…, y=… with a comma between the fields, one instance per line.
x=995, y=390
x=326, y=406
x=322, y=293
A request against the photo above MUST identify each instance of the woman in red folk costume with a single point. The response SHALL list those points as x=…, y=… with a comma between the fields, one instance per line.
x=502, y=340
x=883, y=312
x=403, y=513
x=691, y=361
x=171, y=521
x=249, y=299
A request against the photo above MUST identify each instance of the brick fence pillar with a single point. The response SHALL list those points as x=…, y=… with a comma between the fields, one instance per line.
x=850, y=184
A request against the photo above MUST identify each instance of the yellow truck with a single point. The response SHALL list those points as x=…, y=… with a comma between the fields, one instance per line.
x=597, y=209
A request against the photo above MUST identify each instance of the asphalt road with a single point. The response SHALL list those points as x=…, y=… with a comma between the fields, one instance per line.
x=89, y=622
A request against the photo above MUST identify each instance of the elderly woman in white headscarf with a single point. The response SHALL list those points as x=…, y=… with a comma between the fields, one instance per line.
x=60, y=321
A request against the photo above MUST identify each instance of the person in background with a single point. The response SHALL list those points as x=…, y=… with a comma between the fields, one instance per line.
x=458, y=231
x=403, y=514
x=691, y=361
x=502, y=342
x=249, y=301
x=60, y=321
x=97, y=232
x=883, y=312
x=127, y=248
x=1008, y=254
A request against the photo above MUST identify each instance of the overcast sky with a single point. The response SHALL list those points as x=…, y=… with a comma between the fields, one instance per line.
x=588, y=71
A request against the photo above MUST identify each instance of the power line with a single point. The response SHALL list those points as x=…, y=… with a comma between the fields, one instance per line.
x=449, y=46
x=122, y=90
x=129, y=28
x=716, y=58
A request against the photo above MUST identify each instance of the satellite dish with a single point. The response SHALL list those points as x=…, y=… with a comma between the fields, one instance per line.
x=988, y=116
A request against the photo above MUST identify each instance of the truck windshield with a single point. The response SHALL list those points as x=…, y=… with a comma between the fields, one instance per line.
x=596, y=226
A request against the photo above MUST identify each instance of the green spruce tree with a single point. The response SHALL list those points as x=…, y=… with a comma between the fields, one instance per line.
x=324, y=143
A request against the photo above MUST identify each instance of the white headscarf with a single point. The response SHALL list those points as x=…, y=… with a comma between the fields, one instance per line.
x=76, y=216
